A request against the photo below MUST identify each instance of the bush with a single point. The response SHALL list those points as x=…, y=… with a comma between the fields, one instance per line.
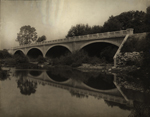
x=130, y=58
x=72, y=59
x=4, y=54
x=41, y=59
x=10, y=62
x=21, y=59
x=76, y=59
x=3, y=75
x=94, y=60
x=137, y=44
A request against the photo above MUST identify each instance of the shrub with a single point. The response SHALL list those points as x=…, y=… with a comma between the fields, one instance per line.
x=21, y=59
x=4, y=54
x=10, y=62
x=72, y=59
x=130, y=58
x=3, y=75
x=41, y=59
x=76, y=59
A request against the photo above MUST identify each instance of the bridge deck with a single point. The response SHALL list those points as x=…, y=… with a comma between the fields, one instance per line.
x=113, y=34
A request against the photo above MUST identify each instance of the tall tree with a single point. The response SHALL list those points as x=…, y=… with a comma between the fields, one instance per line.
x=112, y=24
x=130, y=19
x=42, y=38
x=26, y=35
x=147, y=19
x=138, y=20
x=79, y=29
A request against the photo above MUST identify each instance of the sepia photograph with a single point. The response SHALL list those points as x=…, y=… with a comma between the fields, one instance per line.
x=74, y=58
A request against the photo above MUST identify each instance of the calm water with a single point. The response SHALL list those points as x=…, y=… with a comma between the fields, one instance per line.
x=72, y=93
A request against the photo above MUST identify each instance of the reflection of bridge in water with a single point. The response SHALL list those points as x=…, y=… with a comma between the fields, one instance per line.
x=113, y=95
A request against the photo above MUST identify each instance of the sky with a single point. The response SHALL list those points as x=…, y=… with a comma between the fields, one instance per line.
x=54, y=18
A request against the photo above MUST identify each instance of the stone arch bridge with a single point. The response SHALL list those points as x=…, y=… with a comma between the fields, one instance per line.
x=74, y=43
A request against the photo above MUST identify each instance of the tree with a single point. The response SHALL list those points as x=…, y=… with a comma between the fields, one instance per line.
x=130, y=19
x=26, y=35
x=79, y=29
x=138, y=20
x=112, y=24
x=147, y=19
x=4, y=54
x=40, y=39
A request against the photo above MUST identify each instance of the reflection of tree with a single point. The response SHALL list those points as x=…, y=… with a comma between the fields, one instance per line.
x=122, y=106
x=77, y=94
x=21, y=73
x=26, y=87
x=102, y=81
x=136, y=87
x=3, y=74
x=140, y=109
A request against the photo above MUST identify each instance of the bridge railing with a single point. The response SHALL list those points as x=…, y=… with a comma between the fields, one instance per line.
x=83, y=37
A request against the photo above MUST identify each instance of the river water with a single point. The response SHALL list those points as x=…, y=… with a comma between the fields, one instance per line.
x=72, y=93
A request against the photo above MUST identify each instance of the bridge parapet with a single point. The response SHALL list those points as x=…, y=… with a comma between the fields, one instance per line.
x=113, y=34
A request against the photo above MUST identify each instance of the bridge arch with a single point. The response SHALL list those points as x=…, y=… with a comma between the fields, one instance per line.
x=100, y=41
x=101, y=49
x=34, y=52
x=63, y=48
x=19, y=50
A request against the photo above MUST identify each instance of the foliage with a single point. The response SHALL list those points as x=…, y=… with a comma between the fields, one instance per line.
x=138, y=20
x=76, y=59
x=112, y=24
x=95, y=60
x=130, y=58
x=108, y=53
x=41, y=59
x=11, y=62
x=146, y=51
x=4, y=54
x=26, y=35
x=3, y=74
x=42, y=38
x=130, y=19
x=139, y=45
x=21, y=59
x=81, y=29
x=148, y=19
x=26, y=87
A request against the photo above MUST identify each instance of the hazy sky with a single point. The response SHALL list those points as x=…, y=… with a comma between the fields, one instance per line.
x=53, y=18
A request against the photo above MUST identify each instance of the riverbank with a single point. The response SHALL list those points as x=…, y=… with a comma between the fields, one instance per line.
x=98, y=68
x=83, y=67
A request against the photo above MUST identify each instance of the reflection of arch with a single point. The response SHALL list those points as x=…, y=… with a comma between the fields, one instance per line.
x=50, y=79
x=19, y=50
x=63, y=45
x=31, y=76
x=106, y=91
x=35, y=73
x=100, y=41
